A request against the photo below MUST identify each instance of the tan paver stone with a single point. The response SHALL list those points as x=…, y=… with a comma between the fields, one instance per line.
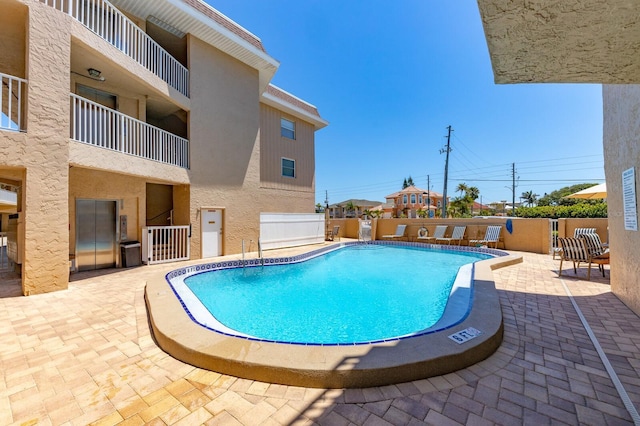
x=175, y=414
x=546, y=359
x=197, y=417
x=258, y=388
x=132, y=407
x=110, y=420
x=179, y=387
x=223, y=419
x=193, y=399
x=132, y=421
x=158, y=408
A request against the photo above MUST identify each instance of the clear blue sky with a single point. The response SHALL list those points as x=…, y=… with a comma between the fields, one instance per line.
x=391, y=76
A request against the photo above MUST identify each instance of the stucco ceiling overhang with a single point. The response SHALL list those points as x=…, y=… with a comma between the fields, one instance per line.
x=189, y=20
x=563, y=41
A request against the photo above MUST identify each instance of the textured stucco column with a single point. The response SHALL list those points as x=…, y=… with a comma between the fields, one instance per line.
x=45, y=188
x=621, y=132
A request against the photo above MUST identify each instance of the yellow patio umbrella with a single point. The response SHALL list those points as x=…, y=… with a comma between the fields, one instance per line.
x=592, y=193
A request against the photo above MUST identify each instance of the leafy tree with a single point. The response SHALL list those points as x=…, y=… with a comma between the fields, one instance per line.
x=557, y=198
x=407, y=182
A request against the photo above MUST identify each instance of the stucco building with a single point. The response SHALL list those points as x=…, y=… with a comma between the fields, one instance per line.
x=412, y=201
x=119, y=116
x=586, y=41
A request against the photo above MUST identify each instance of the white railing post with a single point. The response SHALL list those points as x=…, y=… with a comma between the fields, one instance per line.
x=12, y=96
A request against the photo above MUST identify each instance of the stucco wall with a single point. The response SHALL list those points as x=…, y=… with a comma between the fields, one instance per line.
x=621, y=132
x=224, y=127
x=45, y=200
x=128, y=191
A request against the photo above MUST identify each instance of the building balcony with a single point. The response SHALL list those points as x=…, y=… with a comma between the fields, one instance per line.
x=96, y=125
x=109, y=23
x=12, y=102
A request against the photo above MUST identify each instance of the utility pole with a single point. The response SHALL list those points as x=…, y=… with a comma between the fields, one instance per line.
x=428, y=196
x=446, y=150
x=513, y=187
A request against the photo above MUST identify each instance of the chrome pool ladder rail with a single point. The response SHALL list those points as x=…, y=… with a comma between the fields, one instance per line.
x=260, y=252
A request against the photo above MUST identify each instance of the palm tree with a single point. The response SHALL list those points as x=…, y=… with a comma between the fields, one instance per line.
x=462, y=188
x=473, y=193
x=350, y=208
x=529, y=197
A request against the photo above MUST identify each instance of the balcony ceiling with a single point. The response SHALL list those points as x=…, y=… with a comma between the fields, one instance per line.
x=116, y=80
x=580, y=41
x=189, y=20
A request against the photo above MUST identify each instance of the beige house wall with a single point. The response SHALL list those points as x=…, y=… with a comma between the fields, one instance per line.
x=224, y=133
x=621, y=133
x=274, y=147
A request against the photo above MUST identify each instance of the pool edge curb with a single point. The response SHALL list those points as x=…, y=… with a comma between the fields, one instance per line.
x=345, y=366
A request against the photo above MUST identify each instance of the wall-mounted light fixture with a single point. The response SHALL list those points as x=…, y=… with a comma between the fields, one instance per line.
x=95, y=74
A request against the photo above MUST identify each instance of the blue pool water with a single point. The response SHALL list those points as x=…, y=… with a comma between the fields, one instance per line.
x=352, y=295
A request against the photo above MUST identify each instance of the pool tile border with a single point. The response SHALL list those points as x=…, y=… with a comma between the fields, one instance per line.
x=182, y=273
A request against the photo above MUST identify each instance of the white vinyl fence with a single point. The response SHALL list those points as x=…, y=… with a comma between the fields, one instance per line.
x=290, y=229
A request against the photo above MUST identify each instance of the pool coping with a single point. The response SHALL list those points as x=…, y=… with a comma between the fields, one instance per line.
x=331, y=366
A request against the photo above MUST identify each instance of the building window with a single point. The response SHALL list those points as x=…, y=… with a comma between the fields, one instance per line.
x=404, y=199
x=288, y=168
x=419, y=199
x=413, y=198
x=439, y=203
x=287, y=128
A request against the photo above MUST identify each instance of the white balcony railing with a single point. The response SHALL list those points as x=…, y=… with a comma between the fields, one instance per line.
x=161, y=244
x=12, y=96
x=109, y=23
x=103, y=127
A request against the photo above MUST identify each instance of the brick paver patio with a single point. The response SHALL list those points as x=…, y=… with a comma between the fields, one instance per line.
x=85, y=356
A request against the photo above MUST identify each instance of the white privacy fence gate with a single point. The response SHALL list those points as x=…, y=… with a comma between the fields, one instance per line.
x=291, y=229
x=161, y=244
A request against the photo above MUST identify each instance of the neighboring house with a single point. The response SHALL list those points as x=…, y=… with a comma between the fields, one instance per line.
x=343, y=210
x=124, y=115
x=575, y=41
x=411, y=200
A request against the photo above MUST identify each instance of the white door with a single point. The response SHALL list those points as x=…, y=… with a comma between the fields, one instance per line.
x=211, y=232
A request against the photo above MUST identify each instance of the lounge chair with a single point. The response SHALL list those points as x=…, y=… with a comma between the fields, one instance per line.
x=437, y=234
x=577, y=251
x=457, y=235
x=491, y=236
x=400, y=230
x=557, y=251
x=334, y=234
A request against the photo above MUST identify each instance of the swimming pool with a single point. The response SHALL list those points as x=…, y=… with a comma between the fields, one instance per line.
x=356, y=294
x=403, y=359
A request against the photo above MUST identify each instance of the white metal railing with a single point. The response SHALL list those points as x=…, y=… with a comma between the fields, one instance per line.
x=109, y=23
x=166, y=243
x=12, y=96
x=97, y=125
x=5, y=262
